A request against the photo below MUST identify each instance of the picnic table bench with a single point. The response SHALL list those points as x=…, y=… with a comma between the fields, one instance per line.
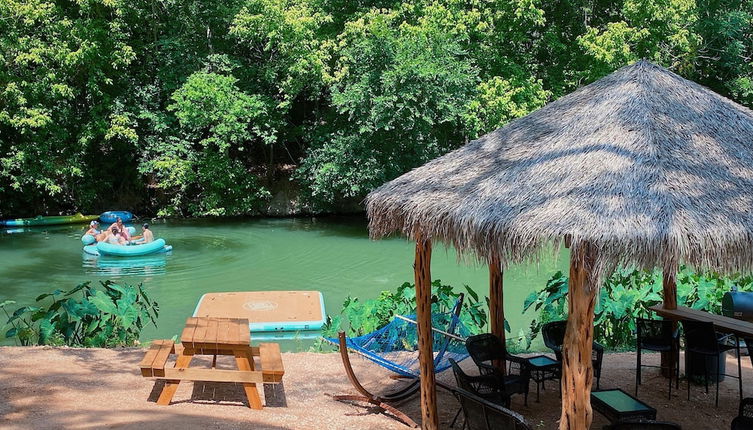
x=214, y=336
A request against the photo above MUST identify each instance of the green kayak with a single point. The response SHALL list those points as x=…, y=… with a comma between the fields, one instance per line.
x=49, y=220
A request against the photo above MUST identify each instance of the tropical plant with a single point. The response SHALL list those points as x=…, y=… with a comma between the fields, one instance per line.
x=360, y=317
x=112, y=315
x=627, y=295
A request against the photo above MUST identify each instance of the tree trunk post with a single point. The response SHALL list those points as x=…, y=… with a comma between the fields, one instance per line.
x=669, y=287
x=422, y=271
x=577, y=369
x=496, y=303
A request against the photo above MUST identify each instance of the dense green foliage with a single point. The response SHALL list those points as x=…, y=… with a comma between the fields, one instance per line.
x=360, y=317
x=190, y=107
x=627, y=295
x=112, y=315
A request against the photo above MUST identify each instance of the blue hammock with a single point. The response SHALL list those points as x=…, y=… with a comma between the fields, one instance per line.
x=395, y=347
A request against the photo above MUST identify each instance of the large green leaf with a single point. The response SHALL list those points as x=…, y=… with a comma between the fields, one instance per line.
x=78, y=288
x=46, y=328
x=103, y=302
x=78, y=310
x=21, y=311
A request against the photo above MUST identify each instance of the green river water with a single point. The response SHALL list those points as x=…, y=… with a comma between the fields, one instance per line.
x=332, y=254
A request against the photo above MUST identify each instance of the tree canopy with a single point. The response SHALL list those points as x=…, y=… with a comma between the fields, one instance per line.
x=191, y=108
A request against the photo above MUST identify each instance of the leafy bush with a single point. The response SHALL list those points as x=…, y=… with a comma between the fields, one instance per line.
x=112, y=315
x=358, y=317
x=627, y=295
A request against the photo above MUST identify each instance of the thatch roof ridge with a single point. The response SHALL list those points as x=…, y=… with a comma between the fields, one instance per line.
x=642, y=163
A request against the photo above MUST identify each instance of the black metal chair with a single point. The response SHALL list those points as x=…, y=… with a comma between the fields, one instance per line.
x=643, y=425
x=481, y=414
x=554, y=336
x=744, y=418
x=487, y=350
x=702, y=339
x=659, y=336
x=484, y=386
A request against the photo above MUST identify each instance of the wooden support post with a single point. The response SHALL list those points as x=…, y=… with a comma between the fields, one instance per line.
x=422, y=271
x=577, y=369
x=496, y=303
x=669, y=287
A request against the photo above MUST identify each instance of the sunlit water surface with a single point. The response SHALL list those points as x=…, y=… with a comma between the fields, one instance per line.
x=333, y=255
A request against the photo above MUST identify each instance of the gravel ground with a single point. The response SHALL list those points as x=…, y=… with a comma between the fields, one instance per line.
x=52, y=388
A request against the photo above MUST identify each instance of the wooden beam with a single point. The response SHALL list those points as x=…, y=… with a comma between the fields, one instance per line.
x=422, y=272
x=496, y=299
x=577, y=369
x=496, y=304
x=669, y=291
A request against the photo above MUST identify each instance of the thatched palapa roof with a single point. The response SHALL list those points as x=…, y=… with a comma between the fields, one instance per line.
x=643, y=164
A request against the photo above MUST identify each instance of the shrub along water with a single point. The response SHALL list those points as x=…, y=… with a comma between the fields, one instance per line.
x=360, y=317
x=627, y=295
x=106, y=316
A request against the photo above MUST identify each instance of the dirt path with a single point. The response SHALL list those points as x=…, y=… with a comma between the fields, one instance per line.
x=52, y=388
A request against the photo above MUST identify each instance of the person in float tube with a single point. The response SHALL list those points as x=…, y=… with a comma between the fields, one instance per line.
x=93, y=229
x=122, y=229
x=114, y=237
x=146, y=234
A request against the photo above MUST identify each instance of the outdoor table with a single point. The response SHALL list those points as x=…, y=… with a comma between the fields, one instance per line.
x=214, y=336
x=543, y=368
x=721, y=323
x=617, y=405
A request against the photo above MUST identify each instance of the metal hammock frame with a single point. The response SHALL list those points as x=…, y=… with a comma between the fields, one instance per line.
x=400, y=394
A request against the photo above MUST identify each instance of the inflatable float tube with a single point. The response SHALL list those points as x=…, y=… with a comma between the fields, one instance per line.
x=101, y=248
x=49, y=220
x=88, y=239
x=112, y=216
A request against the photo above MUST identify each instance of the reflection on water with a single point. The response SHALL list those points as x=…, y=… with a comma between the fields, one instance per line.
x=331, y=255
x=115, y=267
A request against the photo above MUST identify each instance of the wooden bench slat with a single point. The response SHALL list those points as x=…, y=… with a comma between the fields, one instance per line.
x=271, y=360
x=244, y=334
x=155, y=358
x=188, y=332
x=146, y=362
x=212, y=330
x=158, y=366
x=222, y=334
x=218, y=375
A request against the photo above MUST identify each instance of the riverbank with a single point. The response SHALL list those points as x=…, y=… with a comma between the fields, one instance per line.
x=51, y=388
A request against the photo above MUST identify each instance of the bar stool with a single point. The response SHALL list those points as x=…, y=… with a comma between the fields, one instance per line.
x=701, y=338
x=659, y=336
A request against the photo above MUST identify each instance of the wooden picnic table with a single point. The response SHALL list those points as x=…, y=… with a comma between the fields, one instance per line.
x=722, y=324
x=214, y=336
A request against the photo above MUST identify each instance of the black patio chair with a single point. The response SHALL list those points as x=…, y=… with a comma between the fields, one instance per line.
x=484, y=386
x=643, y=425
x=554, y=336
x=481, y=414
x=744, y=418
x=702, y=339
x=659, y=336
x=487, y=350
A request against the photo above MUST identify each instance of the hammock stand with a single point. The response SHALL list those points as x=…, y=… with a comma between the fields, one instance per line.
x=382, y=401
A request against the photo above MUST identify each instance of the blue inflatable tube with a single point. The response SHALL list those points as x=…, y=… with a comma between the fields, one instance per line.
x=112, y=216
x=133, y=250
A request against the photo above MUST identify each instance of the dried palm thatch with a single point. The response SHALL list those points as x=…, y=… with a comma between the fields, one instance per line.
x=644, y=165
